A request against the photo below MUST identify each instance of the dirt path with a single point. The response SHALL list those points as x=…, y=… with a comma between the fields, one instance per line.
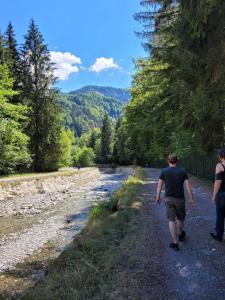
x=197, y=271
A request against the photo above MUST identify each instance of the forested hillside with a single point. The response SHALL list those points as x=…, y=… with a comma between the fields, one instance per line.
x=121, y=95
x=86, y=107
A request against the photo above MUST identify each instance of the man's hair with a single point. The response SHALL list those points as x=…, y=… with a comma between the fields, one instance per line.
x=221, y=153
x=172, y=158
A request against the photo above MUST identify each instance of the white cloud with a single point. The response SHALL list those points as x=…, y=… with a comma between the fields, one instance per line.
x=103, y=63
x=64, y=64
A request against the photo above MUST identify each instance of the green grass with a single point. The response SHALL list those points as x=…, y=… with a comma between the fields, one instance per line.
x=88, y=269
x=37, y=175
x=18, y=175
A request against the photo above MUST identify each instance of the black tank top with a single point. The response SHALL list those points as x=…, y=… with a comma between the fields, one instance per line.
x=221, y=176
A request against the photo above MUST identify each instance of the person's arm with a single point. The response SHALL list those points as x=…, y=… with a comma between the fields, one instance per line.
x=190, y=194
x=217, y=183
x=159, y=189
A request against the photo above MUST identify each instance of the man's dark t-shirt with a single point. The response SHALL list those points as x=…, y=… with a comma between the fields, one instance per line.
x=174, y=178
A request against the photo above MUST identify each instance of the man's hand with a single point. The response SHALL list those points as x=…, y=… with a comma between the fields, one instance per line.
x=191, y=202
x=159, y=188
x=190, y=194
x=214, y=199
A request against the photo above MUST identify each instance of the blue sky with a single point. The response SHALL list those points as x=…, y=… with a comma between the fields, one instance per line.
x=92, y=41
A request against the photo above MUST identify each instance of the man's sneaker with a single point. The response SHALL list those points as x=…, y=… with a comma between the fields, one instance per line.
x=213, y=235
x=174, y=246
x=182, y=236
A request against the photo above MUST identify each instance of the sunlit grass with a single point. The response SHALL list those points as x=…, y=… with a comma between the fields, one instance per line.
x=20, y=175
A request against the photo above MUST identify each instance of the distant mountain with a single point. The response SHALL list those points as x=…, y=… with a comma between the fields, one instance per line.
x=121, y=95
x=85, y=108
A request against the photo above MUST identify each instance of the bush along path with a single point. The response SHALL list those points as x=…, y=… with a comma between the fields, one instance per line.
x=123, y=253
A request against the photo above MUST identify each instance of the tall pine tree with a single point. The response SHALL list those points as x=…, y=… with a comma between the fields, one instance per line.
x=12, y=59
x=106, y=139
x=121, y=152
x=45, y=118
x=2, y=49
x=14, y=153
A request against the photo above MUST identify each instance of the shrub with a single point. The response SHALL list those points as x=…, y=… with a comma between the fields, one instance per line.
x=84, y=157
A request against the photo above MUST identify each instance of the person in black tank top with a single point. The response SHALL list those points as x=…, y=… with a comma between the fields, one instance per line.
x=218, y=197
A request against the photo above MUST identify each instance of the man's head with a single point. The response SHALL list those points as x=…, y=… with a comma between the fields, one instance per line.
x=172, y=159
x=221, y=153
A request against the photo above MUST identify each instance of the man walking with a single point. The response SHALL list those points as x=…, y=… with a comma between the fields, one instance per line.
x=174, y=179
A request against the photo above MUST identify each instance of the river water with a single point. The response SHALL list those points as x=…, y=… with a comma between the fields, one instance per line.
x=29, y=241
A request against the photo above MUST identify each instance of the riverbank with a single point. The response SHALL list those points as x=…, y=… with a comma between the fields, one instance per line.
x=92, y=267
x=29, y=240
x=22, y=195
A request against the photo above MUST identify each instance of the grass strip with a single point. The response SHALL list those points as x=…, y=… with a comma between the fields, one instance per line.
x=88, y=268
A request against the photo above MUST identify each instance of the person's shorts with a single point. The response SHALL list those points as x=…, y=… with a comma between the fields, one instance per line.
x=175, y=208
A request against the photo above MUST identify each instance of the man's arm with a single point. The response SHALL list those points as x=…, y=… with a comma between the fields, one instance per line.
x=190, y=194
x=217, y=183
x=159, y=189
